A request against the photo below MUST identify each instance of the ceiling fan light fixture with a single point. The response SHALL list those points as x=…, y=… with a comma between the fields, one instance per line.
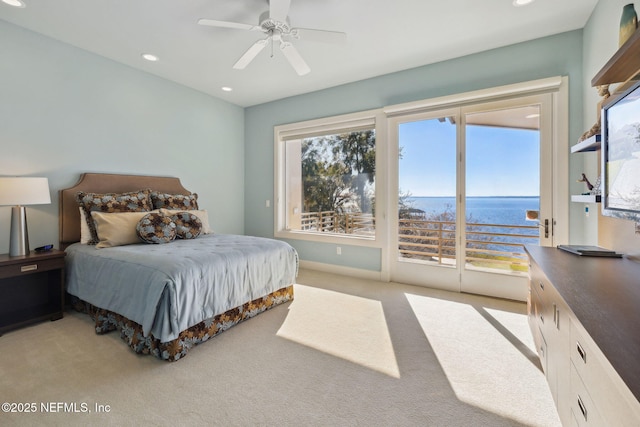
x=15, y=3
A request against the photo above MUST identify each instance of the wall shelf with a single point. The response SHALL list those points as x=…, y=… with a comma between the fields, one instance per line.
x=623, y=65
x=586, y=198
x=590, y=144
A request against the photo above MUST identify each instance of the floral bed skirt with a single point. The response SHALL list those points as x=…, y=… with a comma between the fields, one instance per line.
x=131, y=332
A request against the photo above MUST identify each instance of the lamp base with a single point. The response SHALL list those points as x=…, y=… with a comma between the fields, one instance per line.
x=19, y=240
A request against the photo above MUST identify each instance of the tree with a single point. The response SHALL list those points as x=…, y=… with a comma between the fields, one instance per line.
x=406, y=209
x=357, y=151
x=336, y=170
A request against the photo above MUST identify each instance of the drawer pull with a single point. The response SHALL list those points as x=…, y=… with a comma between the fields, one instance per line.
x=581, y=352
x=26, y=268
x=582, y=408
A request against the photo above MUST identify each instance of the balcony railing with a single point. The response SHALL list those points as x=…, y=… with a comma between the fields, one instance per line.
x=494, y=246
x=332, y=222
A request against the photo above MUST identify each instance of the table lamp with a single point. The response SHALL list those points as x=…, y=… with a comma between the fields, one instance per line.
x=17, y=192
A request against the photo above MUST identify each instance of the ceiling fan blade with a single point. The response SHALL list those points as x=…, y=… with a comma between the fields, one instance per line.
x=226, y=24
x=324, y=36
x=294, y=58
x=279, y=9
x=251, y=53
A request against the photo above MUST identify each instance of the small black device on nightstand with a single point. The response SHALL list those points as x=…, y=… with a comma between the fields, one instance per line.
x=45, y=248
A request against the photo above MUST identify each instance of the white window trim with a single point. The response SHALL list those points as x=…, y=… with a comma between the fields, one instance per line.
x=282, y=133
x=558, y=86
x=551, y=84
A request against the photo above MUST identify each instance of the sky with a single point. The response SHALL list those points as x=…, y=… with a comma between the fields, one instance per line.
x=500, y=161
x=623, y=112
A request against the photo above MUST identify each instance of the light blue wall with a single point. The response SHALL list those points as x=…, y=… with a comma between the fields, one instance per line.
x=547, y=57
x=64, y=111
x=600, y=41
x=601, y=35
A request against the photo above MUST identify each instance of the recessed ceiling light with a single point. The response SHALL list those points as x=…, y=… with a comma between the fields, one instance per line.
x=150, y=57
x=226, y=88
x=15, y=3
x=518, y=3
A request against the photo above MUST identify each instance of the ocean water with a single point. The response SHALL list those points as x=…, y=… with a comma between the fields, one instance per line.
x=485, y=210
x=488, y=210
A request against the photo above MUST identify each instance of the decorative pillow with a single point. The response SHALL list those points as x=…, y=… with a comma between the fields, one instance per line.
x=136, y=201
x=202, y=215
x=174, y=201
x=156, y=228
x=188, y=225
x=116, y=229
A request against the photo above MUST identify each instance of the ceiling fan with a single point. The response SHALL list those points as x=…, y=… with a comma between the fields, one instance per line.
x=275, y=23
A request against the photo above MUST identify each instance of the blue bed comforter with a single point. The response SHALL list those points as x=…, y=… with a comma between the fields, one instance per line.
x=170, y=287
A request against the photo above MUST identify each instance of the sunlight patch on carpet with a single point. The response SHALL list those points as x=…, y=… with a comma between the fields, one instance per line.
x=345, y=326
x=486, y=353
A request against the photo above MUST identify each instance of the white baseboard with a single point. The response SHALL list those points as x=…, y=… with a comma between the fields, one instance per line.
x=338, y=269
x=517, y=293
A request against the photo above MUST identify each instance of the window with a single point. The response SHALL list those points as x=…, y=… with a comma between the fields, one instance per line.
x=327, y=178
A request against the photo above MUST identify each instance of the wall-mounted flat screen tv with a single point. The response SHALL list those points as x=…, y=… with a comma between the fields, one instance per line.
x=621, y=155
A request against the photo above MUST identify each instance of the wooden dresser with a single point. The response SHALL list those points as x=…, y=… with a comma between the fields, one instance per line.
x=584, y=314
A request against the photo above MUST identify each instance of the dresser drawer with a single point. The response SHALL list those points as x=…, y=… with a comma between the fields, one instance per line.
x=534, y=309
x=583, y=409
x=601, y=381
x=541, y=348
x=539, y=287
x=539, y=282
x=31, y=266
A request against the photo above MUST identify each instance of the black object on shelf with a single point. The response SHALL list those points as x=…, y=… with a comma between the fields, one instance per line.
x=586, y=250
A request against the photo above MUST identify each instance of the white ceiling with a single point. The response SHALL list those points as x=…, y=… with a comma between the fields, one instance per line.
x=383, y=36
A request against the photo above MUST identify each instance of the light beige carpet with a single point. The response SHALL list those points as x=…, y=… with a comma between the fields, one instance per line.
x=345, y=352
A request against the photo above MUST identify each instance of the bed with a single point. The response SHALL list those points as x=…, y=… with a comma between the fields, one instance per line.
x=165, y=298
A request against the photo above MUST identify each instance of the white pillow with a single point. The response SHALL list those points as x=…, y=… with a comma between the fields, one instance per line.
x=117, y=228
x=85, y=233
x=202, y=215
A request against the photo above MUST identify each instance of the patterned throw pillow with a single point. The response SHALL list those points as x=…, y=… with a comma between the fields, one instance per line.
x=156, y=228
x=135, y=201
x=174, y=201
x=201, y=214
x=188, y=225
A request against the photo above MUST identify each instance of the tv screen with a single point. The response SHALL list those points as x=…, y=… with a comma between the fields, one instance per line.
x=621, y=155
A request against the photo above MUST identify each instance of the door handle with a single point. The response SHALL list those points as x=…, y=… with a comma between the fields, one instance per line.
x=546, y=228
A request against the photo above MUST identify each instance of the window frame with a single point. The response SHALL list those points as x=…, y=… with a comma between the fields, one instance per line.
x=330, y=125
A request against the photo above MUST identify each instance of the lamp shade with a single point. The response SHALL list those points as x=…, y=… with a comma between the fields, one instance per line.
x=23, y=190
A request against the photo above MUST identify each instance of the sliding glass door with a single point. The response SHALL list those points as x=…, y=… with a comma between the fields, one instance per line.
x=507, y=192
x=474, y=186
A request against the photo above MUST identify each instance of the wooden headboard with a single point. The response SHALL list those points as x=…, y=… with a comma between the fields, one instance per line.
x=106, y=183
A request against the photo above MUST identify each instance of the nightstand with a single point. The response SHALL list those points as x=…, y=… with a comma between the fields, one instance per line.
x=31, y=288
